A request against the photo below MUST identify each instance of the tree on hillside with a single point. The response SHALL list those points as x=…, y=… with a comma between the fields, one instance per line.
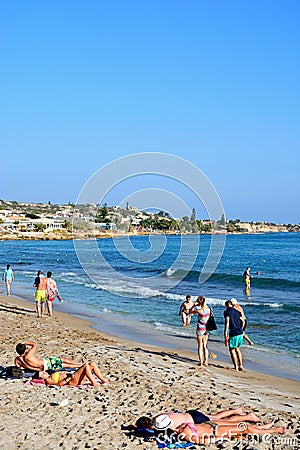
x=32, y=216
x=193, y=215
x=223, y=220
x=102, y=214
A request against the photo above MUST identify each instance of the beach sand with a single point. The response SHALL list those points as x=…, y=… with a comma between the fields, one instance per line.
x=144, y=380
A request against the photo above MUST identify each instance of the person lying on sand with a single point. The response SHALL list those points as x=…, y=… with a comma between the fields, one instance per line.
x=208, y=432
x=81, y=376
x=29, y=361
x=226, y=417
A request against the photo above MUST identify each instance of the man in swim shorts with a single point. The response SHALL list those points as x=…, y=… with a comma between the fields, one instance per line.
x=40, y=283
x=29, y=361
x=184, y=311
x=233, y=334
x=53, y=363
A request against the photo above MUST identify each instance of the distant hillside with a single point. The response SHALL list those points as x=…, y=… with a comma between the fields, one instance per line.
x=19, y=220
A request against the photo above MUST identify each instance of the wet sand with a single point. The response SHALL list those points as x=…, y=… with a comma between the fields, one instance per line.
x=144, y=380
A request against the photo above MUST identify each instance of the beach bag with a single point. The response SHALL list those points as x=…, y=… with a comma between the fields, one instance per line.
x=12, y=372
x=211, y=323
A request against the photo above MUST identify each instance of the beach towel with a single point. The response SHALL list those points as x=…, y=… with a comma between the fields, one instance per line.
x=41, y=382
x=176, y=445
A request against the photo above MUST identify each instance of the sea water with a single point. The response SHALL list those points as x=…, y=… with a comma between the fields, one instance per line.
x=135, y=289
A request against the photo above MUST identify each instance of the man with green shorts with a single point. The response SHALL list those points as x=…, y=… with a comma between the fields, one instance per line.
x=26, y=358
x=40, y=283
x=233, y=334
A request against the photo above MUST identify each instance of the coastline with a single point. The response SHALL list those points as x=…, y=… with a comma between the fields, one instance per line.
x=69, y=236
x=95, y=416
x=140, y=333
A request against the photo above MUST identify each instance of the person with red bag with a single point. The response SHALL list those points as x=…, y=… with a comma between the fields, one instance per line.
x=51, y=292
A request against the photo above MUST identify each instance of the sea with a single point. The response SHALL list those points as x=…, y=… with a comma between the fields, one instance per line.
x=132, y=287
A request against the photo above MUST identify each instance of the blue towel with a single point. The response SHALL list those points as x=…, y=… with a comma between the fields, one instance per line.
x=175, y=445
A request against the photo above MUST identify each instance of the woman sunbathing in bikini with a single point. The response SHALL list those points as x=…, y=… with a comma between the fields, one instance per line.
x=84, y=373
x=207, y=432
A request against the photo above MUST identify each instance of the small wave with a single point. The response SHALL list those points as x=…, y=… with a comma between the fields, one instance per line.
x=258, y=281
x=22, y=263
x=163, y=327
x=65, y=274
x=170, y=272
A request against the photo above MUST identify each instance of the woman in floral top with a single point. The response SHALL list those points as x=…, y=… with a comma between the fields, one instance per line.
x=51, y=292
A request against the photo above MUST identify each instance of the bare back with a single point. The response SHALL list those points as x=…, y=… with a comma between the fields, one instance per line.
x=179, y=418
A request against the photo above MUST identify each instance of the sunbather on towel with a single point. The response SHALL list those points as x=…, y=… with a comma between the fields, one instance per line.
x=83, y=374
x=209, y=432
x=28, y=360
x=226, y=417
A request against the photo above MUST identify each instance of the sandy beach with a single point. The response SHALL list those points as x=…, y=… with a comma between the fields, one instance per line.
x=144, y=380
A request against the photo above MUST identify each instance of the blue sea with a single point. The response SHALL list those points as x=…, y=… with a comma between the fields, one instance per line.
x=133, y=287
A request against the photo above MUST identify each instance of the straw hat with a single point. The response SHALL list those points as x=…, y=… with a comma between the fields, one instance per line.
x=162, y=422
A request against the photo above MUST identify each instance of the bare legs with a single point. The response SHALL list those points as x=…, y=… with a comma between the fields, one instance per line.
x=245, y=336
x=49, y=307
x=70, y=364
x=186, y=319
x=234, y=430
x=97, y=372
x=237, y=358
x=86, y=371
x=233, y=416
x=7, y=283
x=202, y=350
x=206, y=433
x=40, y=308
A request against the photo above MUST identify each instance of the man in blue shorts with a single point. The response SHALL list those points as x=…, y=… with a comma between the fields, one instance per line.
x=233, y=334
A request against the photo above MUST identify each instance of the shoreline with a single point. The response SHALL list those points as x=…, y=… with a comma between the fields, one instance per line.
x=64, y=236
x=167, y=380
x=122, y=328
x=87, y=323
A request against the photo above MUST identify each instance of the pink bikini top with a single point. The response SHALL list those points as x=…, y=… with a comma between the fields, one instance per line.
x=191, y=426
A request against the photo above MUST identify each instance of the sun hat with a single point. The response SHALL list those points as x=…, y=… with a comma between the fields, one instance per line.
x=162, y=422
x=233, y=301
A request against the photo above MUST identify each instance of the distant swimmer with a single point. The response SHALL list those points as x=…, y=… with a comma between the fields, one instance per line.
x=246, y=278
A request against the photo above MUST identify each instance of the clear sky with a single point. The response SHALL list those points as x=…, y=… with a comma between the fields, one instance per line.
x=214, y=82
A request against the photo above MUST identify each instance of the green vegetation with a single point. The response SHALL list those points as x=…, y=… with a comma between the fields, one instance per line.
x=32, y=216
x=40, y=227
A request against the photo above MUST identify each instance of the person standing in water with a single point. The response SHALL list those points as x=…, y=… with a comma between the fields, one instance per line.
x=8, y=277
x=246, y=278
x=241, y=310
x=51, y=292
x=40, y=283
x=233, y=334
x=202, y=334
x=184, y=311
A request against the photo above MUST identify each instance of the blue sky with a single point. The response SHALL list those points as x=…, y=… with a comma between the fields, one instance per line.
x=214, y=82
